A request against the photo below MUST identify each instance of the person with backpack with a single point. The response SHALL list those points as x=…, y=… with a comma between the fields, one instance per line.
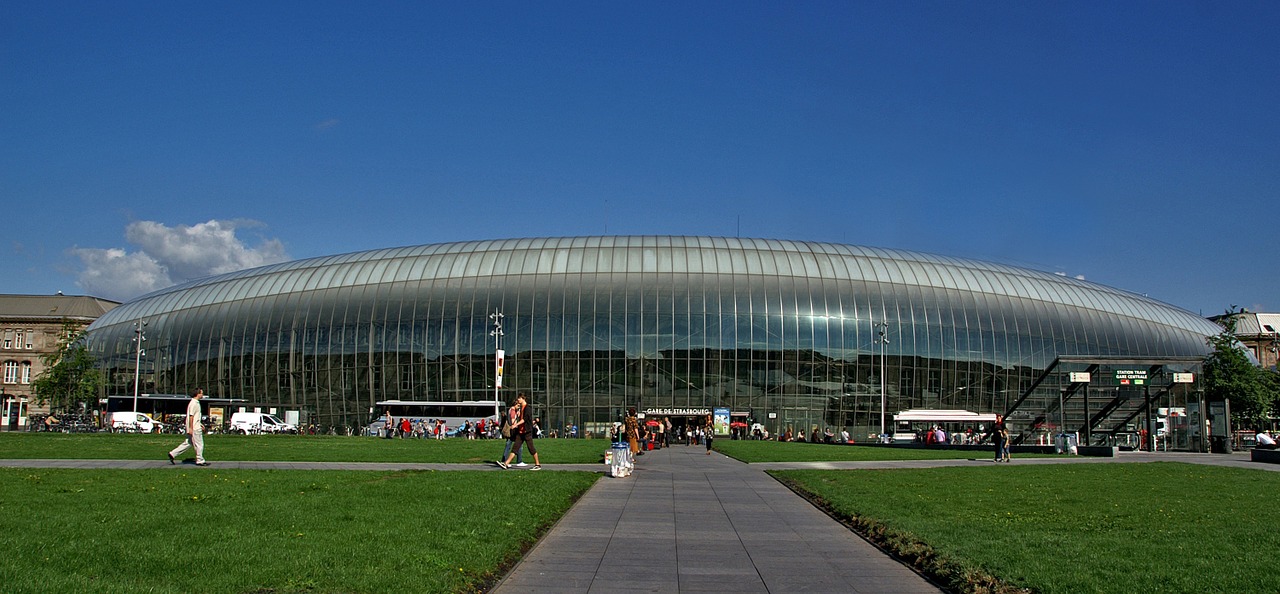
x=508, y=419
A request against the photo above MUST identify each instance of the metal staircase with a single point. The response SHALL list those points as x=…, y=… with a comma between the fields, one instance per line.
x=1101, y=411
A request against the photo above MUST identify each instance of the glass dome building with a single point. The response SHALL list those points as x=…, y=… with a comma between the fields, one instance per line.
x=784, y=333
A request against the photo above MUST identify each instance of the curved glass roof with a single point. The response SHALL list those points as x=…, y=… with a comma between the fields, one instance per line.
x=652, y=254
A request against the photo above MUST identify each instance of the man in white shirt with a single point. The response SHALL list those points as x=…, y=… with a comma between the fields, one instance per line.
x=195, y=432
x=1265, y=441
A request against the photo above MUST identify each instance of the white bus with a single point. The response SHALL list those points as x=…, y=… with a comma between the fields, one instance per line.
x=454, y=414
x=908, y=423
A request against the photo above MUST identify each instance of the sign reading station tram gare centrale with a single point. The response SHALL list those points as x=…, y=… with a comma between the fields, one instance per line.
x=1131, y=377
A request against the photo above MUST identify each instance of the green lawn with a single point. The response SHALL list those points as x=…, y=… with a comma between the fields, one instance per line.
x=291, y=448
x=1123, y=528
x=1115, y=527
x=212, y=530
x=772, y=451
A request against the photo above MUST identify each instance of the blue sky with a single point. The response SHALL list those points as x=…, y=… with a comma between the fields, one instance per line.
x=1133, y=144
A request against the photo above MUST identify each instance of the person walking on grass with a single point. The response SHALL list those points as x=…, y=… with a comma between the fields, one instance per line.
x=195, y=432
x=522, y=432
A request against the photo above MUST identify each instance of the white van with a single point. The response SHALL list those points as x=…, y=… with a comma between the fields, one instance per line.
x=252, y=422
x=133, y=422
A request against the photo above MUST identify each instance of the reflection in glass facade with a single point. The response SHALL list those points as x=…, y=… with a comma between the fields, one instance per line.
x=595, y=324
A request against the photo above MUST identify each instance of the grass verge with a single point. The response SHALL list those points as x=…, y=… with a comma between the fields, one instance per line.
x=290, y=448
x=271, y=531
x=1154, y=527
x=772, y=451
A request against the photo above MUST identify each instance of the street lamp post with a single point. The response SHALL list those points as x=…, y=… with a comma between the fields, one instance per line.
x=498, y=357
x=883, y=340
x=138, y=338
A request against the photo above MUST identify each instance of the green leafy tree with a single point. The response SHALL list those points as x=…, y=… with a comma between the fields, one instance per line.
x=1230, y=375
x=70, y=376
x=1271, y=383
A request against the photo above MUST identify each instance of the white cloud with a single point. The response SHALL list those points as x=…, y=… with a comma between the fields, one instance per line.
x=169, y=255
x=115, y=274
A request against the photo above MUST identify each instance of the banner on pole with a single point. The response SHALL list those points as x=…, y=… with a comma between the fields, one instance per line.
x=499, y=358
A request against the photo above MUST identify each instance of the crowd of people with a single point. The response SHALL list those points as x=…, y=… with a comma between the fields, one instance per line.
x=518, y=428
x=827, y=435
x=422, y=428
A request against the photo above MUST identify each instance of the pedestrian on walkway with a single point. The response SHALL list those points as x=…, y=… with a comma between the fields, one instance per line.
x=522, y=430
x=195, y=432
x=633, y=431
x=509, y=419
x=1000, y=436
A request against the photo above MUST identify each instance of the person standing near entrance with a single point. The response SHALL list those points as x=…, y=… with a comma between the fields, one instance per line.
x=711, y=430
x=195, y=432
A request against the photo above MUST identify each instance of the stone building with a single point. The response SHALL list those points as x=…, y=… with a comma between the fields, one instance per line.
x=1258, y=333
x=30, y=326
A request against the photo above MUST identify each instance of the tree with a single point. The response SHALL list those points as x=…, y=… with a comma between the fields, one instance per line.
x=1230, y=375
x=70, y=376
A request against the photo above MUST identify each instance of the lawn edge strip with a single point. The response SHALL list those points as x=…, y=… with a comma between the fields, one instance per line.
x=499, y=573
x=945, y=571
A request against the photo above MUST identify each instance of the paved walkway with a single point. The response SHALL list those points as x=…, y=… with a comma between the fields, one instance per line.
x=688, y=522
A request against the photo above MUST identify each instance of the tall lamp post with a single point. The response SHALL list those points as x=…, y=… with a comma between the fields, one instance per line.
x=139, y=337
x=498, y=356
x=882, y=339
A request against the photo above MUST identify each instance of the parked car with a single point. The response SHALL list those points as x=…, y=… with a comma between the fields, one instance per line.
x=252, y=422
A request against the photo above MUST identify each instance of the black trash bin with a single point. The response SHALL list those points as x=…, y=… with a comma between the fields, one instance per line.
x=1220, y=445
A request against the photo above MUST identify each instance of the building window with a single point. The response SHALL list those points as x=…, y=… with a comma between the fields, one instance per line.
x=10, y=372
x=30, y=339
x=8, y=338
x=26, y=372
